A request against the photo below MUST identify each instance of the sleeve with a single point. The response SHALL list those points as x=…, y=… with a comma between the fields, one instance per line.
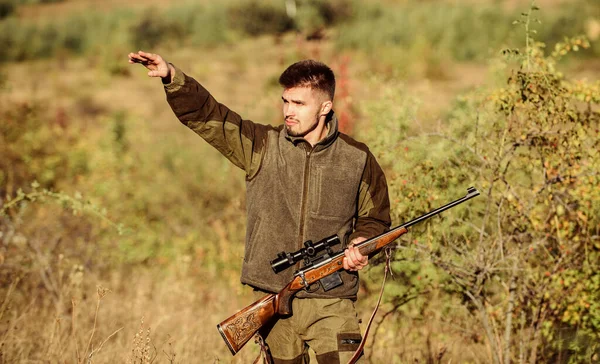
x=241, y=141
x=373, y=204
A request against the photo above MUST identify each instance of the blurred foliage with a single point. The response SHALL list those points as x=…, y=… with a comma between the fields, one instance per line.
x=7, y=7
x=193, y=23
x=256, y=18
x=525, y=256
x=29, y=147
x=207, y=25
x=404, y=31
x=151, y=29
x=521, y=259
x=33, y=2
x=409, y=31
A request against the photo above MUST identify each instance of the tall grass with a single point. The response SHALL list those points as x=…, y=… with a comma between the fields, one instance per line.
x=191, y=23
x=462, y=32
x=402, y=34
x=90, y=32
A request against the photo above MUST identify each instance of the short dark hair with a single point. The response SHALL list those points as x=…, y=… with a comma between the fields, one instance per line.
x=309, y=73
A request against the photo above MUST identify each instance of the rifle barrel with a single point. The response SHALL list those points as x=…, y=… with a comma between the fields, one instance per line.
x=471, y=192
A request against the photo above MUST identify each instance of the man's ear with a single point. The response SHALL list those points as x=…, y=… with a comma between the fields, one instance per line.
x=326, y=107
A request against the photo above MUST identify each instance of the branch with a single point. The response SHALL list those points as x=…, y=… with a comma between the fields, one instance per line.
x=101, y=345
x=444, y=136
x=486, y=326
x=509, y=313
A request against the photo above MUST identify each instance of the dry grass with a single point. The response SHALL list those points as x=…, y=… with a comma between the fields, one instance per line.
x=166, y=310
x=150, y=315
x=146, y=318
x=62, y=8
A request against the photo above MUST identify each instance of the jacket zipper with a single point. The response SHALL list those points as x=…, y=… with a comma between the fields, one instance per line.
x=304, y=197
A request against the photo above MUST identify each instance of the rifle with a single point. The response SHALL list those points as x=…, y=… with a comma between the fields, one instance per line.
x=240, y=327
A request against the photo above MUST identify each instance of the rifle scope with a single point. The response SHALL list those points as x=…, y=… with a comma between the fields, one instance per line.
x=285, y=260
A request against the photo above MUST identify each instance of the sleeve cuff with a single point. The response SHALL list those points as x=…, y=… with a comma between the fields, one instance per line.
x=177, y=82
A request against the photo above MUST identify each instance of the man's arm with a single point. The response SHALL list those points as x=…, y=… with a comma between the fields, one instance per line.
x=373, y=212
x=240, y=141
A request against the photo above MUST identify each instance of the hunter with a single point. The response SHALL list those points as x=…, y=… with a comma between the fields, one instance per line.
x=305, y=180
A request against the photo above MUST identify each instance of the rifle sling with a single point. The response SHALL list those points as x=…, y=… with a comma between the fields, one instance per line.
x=358, y=351
x=264, y=354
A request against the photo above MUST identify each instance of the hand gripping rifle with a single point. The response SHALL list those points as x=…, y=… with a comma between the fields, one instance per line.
x=240, y=327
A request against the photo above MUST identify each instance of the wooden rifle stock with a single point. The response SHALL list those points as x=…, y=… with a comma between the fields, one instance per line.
x=240, y=327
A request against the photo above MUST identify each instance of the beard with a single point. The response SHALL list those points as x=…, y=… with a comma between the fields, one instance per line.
x=296, y=131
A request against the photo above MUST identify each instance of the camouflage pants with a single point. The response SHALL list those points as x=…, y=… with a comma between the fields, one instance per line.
x=329, y=326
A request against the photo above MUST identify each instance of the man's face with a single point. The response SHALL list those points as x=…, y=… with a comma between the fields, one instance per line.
x=302, y=107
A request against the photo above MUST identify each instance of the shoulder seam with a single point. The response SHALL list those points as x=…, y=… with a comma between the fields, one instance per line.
x=354, y=143
x=270, y=129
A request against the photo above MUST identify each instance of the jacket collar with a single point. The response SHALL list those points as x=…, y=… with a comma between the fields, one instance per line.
x=331, y=123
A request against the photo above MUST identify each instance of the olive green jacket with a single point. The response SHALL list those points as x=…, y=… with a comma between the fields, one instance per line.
x=294, y=192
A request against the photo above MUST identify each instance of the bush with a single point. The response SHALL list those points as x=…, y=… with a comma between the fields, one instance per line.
x=315, y=15
x=152, y=29
x=257, y=18
x=524, y=257
x=202, y=25
x=7, y=7
x=36, y=146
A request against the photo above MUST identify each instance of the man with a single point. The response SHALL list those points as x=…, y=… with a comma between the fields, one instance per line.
x=304, y=181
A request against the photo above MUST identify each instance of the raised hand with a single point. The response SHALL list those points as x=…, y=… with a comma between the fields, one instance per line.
x=155, y=63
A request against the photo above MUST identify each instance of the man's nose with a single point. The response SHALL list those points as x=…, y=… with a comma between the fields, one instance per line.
x=289, y=111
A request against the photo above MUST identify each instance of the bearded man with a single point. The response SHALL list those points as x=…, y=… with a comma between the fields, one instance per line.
x=305, y=180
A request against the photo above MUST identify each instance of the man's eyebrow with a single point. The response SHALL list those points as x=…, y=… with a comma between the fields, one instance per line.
x=301, y=102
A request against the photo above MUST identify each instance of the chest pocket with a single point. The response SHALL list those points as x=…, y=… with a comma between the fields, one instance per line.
x=333, y=192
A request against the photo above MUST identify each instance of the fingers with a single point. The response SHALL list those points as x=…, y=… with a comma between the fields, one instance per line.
x=354, y=260
x=144, y=58
x=137, y=58
x=150, y=56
